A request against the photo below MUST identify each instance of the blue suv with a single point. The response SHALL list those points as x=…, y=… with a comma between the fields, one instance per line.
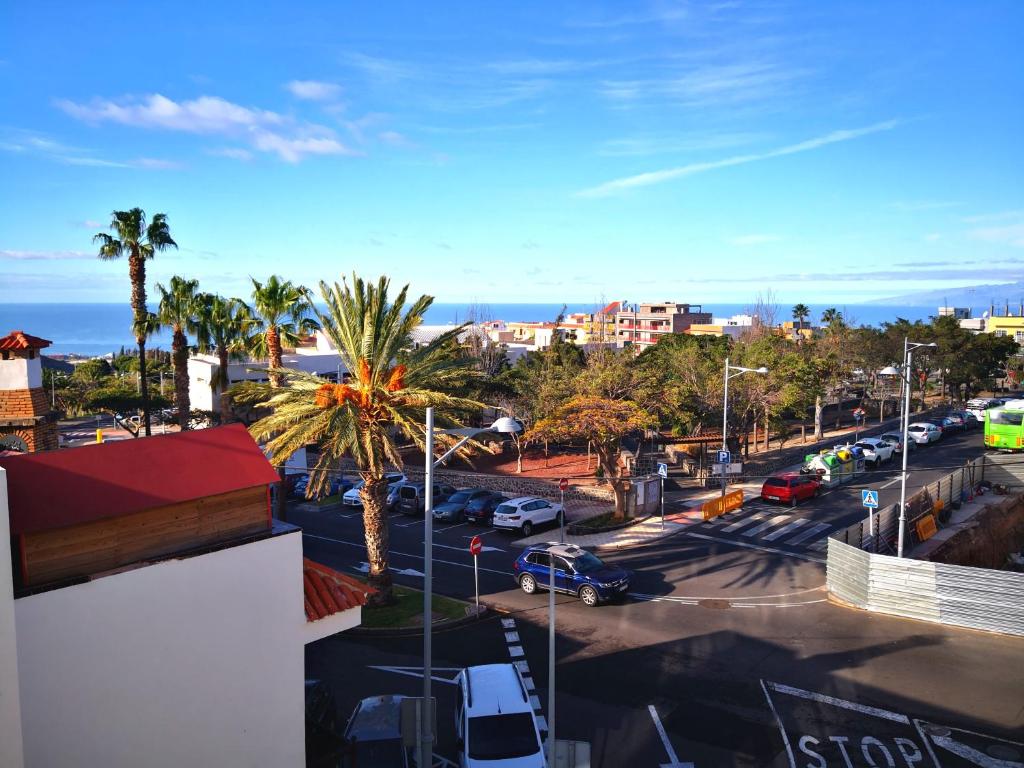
x=577, y=572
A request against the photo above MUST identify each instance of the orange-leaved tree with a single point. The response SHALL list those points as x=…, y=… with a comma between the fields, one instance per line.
x=603, y=422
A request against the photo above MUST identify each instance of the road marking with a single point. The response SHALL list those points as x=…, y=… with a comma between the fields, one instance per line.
x=364, y=567
x=822, y=698
x=418, y=672
x=483, y=533
x=457, y=525
x=746, y=521
x=777, y=520
x=748, y=545
x=786, y=529
x=463, y=549
x=962, y=750
x=891, y=482
x=406, y=554
x=673, y=759
x=810, y=533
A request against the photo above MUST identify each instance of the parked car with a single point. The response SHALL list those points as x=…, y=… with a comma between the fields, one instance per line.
x=876, y=450
x=577, y=572
x=896, y=441
x=374, y=735
x=790, y=488
x=969, y=419
x=959, y=422
x=395, y=479
x=335, y=484
x=495, y=724
x=979, y=405
x=944, y=423
x=454, y=508
x=481, y=509
x=924, y=432
x=526, y=513
x=412, y=498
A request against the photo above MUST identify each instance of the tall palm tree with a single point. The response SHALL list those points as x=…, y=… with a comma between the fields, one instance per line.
x=179, y=307
x=223, y=328
x=832, y=318
x=800, y=313
x=282, y=317
x=392, y=386
x=138, y=241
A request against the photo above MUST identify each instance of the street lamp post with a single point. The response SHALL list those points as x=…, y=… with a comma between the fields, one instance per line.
x=908, y=351
x=504, y=425
x=739, y=370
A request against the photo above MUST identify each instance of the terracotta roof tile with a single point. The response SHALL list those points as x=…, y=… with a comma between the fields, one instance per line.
x=22, y=340
x=328, y=592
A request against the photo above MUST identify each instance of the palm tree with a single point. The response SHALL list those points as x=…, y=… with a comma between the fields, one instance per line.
x=392, y=386
x=832, y=318
x=282, y=312
x=223, y=327
x=138, y=241
x=800, y=313
x=178, y=308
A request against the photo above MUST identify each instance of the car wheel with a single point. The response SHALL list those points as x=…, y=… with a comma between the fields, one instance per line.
x=589, y=596
x=527, y=528
x=528, y=584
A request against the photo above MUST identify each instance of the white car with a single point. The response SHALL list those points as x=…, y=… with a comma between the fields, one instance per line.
x=494, y=721
x=395, y=481
x=526, y=513
x=876, y=451
x=922, y=433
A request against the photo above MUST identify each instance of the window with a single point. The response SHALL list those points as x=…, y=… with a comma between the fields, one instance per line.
x=539, y=558
x=561, y=564
x=587, y=562
x=1000, y=332
x=502, y=737
x=1019, y=337
x=1006, y=418
x=775, y=482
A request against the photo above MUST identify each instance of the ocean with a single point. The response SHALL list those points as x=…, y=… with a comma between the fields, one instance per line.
x=98, y=329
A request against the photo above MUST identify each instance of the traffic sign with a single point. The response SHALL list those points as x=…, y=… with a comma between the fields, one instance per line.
x=563, y=484
x=869, y=499
x=476, y=546
x=662, y=469
x=724, y=457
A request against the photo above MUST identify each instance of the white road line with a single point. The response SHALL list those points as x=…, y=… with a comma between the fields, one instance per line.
x=810, y=533
x=482, y=533
x=746, y=521
x=777, y=520
x=833, y=701
x=406, y=554
x=786, y=529
x=464, y=548
x=673, y=759
x=747, y=545
x=891, y=482
x=782, y=728
x=457, y=525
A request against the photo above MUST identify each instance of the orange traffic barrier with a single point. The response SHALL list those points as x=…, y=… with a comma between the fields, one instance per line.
x=926, y=527
x=721, y=505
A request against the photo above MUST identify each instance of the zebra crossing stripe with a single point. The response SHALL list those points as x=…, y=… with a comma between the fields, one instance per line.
x=746, y=521
x=786, y=529
x=810, y=533
x=777, y=520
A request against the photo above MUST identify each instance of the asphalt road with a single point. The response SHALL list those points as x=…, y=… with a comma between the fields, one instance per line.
x=737, y=650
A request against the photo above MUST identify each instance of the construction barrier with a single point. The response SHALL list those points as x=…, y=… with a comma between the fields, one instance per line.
x=926, y=527
x=721, y=505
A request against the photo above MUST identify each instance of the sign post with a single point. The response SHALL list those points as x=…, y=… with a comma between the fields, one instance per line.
x=475, y=546
x=662, y=473
x=563, y=486
x=870, y=501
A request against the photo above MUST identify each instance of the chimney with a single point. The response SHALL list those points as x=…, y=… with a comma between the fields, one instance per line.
x=26, y=421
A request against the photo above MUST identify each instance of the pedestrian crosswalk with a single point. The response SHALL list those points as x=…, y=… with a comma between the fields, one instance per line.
x=758, y=521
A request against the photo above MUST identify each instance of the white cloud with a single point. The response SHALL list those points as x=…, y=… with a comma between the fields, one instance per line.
x=46, y=255
x=660, y=177
x=657, y=145
x=745, y=240
x=235, y=153
x=292, y=149
x=394, y=138
x=313, y=90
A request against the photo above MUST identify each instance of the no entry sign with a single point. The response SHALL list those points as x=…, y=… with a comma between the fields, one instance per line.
x=563, y=484
x=475, y=546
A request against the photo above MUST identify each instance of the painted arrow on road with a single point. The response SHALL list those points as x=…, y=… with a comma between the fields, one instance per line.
x=365, y=568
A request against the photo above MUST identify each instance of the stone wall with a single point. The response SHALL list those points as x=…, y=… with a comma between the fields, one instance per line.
x=986, y=540
x=513, y=486
x=23, y=403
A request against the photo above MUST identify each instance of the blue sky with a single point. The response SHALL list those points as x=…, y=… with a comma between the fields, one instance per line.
x=828, y=152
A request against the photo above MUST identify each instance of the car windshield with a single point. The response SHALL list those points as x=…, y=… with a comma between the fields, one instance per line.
x=460, y=497
x=776, y=482
x=502, y=737
x=407, y=492
x=865, y=446
x=359, y=484
x=506, y=509
x=1006, y=418
x=588, y=563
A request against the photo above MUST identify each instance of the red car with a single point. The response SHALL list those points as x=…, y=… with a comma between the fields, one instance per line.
x=790, y=488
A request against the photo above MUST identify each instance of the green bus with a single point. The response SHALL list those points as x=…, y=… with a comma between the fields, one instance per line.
x=1004, y=427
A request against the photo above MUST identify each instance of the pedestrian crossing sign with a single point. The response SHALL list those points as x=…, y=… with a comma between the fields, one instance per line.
x=663, y=469
x=869, y=499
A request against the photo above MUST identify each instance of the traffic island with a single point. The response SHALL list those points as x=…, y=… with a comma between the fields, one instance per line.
x=601, y=524
x=405, y=615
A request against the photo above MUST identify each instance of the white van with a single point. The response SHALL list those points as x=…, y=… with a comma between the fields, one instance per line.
x=494, y=721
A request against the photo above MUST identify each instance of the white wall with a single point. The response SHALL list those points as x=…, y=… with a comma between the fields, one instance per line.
x=11, y=755
x=192, y=662
x=21, y=373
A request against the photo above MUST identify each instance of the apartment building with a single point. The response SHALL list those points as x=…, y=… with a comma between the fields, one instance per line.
x=644, y=324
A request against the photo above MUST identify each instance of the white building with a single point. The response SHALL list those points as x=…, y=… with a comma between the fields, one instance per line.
x=159, y=614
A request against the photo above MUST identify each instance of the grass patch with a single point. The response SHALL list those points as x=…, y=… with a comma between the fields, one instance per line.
x=325, y=500
x=601, y=522
x=408, y=609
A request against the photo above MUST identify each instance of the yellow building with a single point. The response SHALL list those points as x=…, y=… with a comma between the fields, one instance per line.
x=1006, y=325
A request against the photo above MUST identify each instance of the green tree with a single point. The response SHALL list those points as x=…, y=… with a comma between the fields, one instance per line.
x=223, y=326
x=800, y=313
x=92, y=371
x=179, y=307
x=281, y=317
x=392, y=385
x=139, y=241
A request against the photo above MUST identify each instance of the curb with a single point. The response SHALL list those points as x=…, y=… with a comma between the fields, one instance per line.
x=612, y=547
x=439, y=626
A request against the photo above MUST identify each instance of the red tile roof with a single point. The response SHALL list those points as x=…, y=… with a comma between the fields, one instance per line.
x=328, y=592
x=55, y=489
x=21, y=340
x=612, y=308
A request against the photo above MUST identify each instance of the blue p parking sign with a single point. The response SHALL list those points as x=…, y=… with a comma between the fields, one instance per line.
x=869, y=499
x=724, y=457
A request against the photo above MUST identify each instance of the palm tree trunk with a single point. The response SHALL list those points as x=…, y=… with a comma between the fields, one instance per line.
x=137, y=276
x=225, y=398
x=818, y=433
x=274, y=353
x=375, y=524
x=179, y=358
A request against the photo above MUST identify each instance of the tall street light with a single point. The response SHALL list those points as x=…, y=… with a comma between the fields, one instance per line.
x=504, y=425
x=908, y=351
x=738, y=371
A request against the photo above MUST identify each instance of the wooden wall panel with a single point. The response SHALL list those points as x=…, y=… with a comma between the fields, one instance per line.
x=103, y=545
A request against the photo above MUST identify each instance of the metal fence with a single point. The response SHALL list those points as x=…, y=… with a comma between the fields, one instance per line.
x=977, y=598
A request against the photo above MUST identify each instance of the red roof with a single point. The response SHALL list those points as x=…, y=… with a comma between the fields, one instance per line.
x=612, y=308
x=54, y=489
x=328, y=592
x=21, y=340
